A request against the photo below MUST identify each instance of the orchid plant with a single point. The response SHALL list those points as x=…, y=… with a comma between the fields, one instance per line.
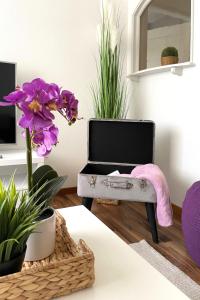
x=38, y=100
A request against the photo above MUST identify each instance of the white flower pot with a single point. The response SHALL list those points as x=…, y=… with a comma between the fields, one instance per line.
x=41, y=243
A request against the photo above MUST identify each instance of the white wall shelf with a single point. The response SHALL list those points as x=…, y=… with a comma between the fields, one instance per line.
x=14, y=158
x=176, y=69
x=14, y=161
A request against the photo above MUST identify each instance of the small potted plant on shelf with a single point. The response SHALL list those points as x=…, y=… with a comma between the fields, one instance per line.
x=169, y=56
x=38, y=100
x=19, y=216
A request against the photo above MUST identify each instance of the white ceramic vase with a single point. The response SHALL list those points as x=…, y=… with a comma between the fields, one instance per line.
x=41, y=243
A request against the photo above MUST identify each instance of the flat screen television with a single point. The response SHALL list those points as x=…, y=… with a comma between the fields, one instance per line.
x=7, y=114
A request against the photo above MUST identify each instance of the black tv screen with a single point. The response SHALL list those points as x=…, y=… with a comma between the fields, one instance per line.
x=7, y=114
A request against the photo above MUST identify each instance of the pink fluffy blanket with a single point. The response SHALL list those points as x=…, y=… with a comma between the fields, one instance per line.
x=153, y=174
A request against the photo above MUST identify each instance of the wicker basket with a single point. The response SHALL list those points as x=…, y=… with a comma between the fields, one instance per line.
x=107, y=201
x=169, y=60
x=69, y=269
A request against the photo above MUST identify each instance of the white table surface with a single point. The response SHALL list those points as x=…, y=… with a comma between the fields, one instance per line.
x=121, y=273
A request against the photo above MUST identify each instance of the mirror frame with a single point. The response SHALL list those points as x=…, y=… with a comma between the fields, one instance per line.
x=134, y=35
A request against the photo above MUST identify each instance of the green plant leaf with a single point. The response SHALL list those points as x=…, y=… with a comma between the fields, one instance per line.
x=110, y=92
x=50, y=189
x=169, y=51
x=19, y=216
x=6, y=247
x=47, y=176
x=44, y=172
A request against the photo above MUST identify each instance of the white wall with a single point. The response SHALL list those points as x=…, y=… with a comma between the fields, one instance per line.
x=56, y=40
x=173, y=102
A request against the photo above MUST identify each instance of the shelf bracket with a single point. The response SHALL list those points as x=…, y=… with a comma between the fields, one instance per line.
x=177, y=71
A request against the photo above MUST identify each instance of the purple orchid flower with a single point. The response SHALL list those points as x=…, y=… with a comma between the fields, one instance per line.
x=37, y=100
x=35, y=86
x=70, y=106
x=42, y=150
x=14, y=98
x=33, y=122
x=45, y=139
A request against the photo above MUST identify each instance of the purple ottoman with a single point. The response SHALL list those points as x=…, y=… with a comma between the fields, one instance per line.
x=191, y=221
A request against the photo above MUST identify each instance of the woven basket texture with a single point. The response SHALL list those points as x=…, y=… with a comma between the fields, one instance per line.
x=70, y=268
x=169, y=60
x=107, y=201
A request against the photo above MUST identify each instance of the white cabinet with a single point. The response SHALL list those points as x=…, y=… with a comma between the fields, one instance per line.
x=15, y=162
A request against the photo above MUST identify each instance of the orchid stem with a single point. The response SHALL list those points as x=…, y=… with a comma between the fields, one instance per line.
x=29, y=160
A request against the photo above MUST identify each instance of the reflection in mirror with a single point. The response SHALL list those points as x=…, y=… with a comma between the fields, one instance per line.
x=163, y=24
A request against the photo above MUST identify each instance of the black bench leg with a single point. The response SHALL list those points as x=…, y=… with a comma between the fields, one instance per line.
x=87, y=202
x=152, y=221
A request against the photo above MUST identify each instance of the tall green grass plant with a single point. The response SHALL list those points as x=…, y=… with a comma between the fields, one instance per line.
x=109, y=93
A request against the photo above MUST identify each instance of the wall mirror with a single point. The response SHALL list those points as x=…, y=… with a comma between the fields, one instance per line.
x=161, y=28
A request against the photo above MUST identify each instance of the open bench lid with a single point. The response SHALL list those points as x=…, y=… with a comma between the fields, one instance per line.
x=121, y=141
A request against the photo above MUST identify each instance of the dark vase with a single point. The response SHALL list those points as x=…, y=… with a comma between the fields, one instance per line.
x=12, y=266
x=191, y=221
